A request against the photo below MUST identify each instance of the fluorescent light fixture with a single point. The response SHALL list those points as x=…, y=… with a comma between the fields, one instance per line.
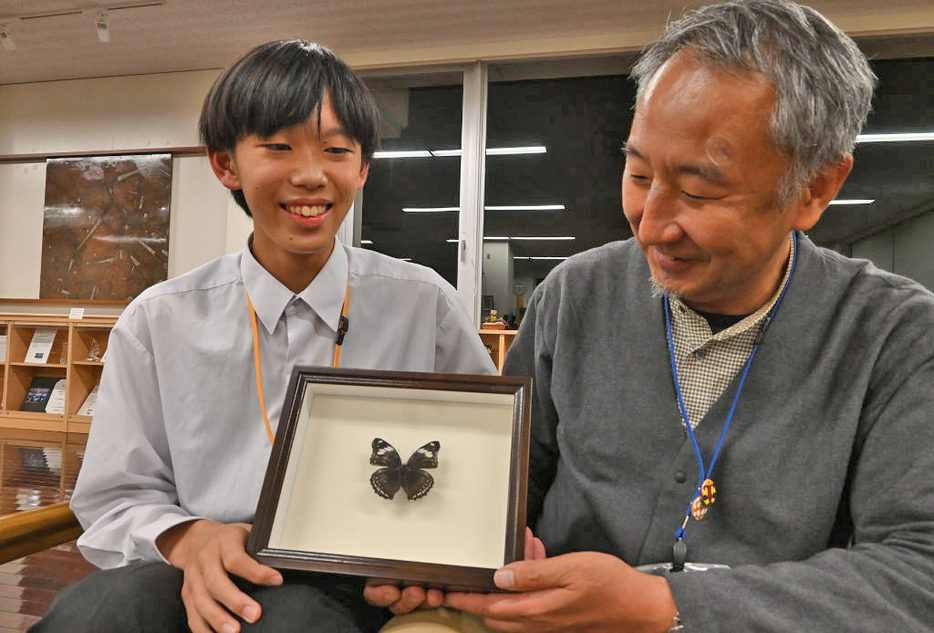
x=504, y=238
x=490, y=151
x=6, y=38
x=406, y=259
x=855, y=201
x=362, y=242
x=528, y=207
x=540, y=258
x=429, y=209
x=503, y=151
x=895, y=138
x=103, y=28
x=496, y=238
x=414, y=153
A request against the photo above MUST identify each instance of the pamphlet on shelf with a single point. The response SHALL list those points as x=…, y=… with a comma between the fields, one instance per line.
x=76, y=314
x=87, y=408
x=2, y=348
x=39, y=393
x=56, y=403
x=41, y=345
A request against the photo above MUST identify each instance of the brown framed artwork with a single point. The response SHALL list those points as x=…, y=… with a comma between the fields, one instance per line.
x=105, y=232
x=414, y=478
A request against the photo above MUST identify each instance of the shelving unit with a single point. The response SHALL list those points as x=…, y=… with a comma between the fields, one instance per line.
x=70, y=358
x=498, y=343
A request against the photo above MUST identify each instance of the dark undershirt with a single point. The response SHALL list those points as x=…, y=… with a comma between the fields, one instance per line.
x=720, y=322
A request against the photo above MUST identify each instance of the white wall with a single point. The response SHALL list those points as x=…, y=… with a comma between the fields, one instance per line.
x=906, y=249
x=498, y=276
x=122, y=113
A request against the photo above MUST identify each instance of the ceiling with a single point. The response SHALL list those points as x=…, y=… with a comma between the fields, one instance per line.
x=177, y=35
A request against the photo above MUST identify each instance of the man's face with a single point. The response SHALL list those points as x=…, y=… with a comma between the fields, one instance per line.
x=700, y=187
x=299, y=184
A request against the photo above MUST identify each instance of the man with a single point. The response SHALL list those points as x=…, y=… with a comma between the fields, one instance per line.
x=182, y=432
x=809, y=376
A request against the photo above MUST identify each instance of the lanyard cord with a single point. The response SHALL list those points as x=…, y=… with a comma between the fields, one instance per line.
x=342, y=327
x=702, y=475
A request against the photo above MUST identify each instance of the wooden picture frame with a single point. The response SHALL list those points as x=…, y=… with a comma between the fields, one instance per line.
x=318, y=510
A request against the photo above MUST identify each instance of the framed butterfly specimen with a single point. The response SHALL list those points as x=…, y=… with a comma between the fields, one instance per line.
x=411, y=475
x=416, y=518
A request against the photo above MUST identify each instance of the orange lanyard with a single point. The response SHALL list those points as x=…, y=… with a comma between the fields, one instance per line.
x=342, y=327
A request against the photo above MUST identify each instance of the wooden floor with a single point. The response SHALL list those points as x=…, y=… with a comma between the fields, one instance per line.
x=37, y=469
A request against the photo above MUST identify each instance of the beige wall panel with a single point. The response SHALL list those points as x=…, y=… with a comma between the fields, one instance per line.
x=22, y=201
x=136, y=112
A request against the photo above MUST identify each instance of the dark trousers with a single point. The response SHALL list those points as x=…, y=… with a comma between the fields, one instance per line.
x=146, y=597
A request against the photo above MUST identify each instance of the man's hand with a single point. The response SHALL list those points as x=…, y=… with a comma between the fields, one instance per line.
x=583, y=591
x=401, y=601
x=208, y=552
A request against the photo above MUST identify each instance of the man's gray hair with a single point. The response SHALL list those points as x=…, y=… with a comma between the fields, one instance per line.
x=823, y=83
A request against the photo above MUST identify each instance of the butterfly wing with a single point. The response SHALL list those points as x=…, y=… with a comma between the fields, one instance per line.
x=416, y=481
x=386, y=481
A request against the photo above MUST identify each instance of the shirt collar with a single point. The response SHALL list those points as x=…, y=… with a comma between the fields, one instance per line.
x=681, y=310
x=325, y=294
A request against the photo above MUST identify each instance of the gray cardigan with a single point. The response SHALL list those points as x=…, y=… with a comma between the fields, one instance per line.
x=825, y=504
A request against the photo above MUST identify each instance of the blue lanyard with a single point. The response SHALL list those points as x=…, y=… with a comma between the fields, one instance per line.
x=702, y=474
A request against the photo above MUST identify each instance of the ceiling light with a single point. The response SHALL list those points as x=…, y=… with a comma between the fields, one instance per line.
x=529, y=207
x=366, y=242
x=855, y=201
x=540, y=258
x=544, y=237
x=491, y=151
x=502, y=151
x=103, y=28
x=895, y=138
x=414, y=153
x=521, y=207
x=492, y=238
x=6, y=38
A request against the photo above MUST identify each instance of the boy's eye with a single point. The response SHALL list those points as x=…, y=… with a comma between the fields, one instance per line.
x=277, y=147
x=339, y=150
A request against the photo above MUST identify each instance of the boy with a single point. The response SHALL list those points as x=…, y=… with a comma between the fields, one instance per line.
x=197, y=366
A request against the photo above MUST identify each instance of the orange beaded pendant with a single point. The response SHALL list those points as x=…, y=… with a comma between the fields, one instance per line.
x=704, y=500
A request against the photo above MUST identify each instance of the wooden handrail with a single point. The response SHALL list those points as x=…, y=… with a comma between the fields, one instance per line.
x=24, y=533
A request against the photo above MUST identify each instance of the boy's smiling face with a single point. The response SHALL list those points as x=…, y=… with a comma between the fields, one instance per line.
x=299, y=184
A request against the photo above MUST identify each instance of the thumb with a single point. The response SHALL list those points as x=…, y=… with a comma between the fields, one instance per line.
x=531, y=575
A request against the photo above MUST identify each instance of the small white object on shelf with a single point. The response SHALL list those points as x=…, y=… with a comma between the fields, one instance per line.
x=41, y=345
x=88, y=407
x=56, y=403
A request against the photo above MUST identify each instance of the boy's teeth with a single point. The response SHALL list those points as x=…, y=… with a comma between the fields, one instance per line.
x=307, y=211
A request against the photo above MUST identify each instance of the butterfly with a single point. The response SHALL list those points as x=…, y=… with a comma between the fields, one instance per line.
x=386, y=481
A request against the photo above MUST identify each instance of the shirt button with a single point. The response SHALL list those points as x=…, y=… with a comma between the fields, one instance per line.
x=680, y=477
x=700, y=354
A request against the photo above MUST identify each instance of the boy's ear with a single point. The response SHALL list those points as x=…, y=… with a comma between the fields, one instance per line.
x=225, y=168
x=819, y=192
x=364, y=172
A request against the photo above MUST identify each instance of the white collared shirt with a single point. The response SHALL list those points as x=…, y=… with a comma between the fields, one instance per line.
x=178, y=432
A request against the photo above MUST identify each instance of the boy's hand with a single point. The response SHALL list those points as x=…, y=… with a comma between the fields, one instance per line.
x=401, y=601
x=208, y=552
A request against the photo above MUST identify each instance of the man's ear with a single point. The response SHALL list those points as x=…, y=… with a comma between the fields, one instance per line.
x=819, y=192
x=225, y=168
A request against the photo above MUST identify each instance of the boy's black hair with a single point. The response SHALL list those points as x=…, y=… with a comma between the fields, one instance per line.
x=280, y=84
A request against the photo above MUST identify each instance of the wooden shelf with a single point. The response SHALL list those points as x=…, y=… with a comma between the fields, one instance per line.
x=497, y=343
x=76, y=341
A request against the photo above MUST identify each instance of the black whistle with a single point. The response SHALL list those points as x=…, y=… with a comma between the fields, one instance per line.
x=342, y=326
